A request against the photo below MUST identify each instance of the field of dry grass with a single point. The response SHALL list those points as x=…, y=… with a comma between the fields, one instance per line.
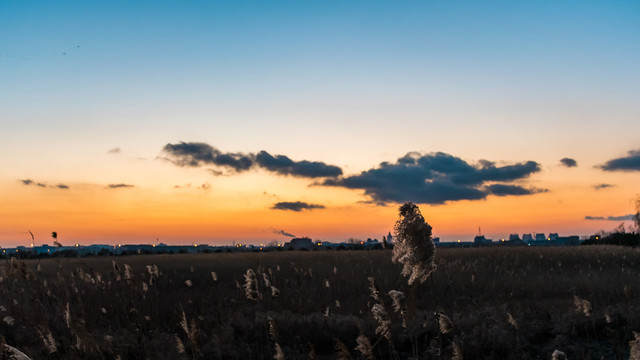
x=507, y=303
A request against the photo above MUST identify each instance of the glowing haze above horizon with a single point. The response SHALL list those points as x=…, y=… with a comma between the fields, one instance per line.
x=250, y=121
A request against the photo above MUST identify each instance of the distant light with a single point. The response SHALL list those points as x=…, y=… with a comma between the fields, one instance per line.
x=76, y=245
x=361, y=242
x=195, y=245
x=458, y=240
x=549, y=239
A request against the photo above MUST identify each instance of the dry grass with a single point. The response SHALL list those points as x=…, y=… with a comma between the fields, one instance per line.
x=510, y=303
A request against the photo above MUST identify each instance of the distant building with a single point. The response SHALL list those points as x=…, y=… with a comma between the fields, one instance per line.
x=527, y=237
x=480, y=240
x=514, y=237
x=299, y=243
x=553, y=236
x=540, y=237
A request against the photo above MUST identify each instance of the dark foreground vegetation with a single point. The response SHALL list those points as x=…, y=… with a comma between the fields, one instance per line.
x=480, y=303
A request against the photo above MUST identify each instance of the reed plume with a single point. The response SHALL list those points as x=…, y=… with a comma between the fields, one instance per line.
x=413, y=248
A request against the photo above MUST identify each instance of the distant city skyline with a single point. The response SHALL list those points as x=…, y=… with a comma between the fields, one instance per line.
x=214, y=122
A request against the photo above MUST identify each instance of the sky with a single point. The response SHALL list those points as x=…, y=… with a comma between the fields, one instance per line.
x=253, y=121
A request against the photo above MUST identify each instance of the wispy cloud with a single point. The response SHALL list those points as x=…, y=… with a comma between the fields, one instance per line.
x=436, y=178
x=195, y=154
x=568, y=162
x=115, y=150
x=29, y=182
x=119, y=186
x=602, y=186
x=631, y=162
x=296, y=206
x=611, y=218
x=588, y=217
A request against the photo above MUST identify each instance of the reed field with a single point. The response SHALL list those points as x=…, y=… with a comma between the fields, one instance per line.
x=479, y=303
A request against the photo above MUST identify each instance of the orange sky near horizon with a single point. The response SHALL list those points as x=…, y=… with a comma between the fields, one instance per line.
x=233, y=208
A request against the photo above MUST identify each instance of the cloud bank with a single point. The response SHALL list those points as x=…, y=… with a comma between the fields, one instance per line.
x=296, y=206
x=631, y=162
x=195, y=154
x=436, y=178
x=433, y=178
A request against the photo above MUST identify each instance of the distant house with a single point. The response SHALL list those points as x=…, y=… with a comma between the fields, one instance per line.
x=299, y=243
x=480, y=240
x=514, y=239
x=540, y=237
x=568, y=240
x=527, y=238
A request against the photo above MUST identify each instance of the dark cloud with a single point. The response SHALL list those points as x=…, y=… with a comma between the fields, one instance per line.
x=568, y=162
x=27, y=181
x=437, y=178
x=282, y=232
x=611, y=218
x=283, y=165
x=602, y=186
x=62, y=186
x=505, y=190
x=195, y=154
x=115, y=150
x=628, y=163
x=41, y=184
x=296, y=206
x=118, y=186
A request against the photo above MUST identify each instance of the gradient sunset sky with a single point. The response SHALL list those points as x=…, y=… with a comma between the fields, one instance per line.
x=220, y=121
